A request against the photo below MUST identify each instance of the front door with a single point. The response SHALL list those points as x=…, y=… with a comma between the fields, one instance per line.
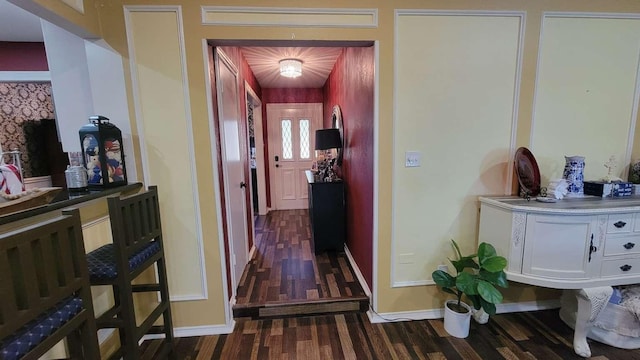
x=291, y=149
x=232, y=165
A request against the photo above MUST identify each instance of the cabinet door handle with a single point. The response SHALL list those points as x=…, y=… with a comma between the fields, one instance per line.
x=629, y=245
x=619, y=224
x=625, y=267
x=592, y=248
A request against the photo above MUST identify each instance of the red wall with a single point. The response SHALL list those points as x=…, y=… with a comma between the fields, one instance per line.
x=23, y=56
x=351, y=85
x=280, y=96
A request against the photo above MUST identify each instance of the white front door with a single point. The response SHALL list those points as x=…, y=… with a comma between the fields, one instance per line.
x=232, y=166
x=292, y=130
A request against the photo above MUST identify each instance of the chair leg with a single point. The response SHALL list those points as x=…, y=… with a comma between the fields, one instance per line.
x=75, y=343
x=128, y=333
x=166, y=315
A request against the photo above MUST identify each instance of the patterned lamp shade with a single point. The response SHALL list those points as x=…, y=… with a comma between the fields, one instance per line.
x=102, y=153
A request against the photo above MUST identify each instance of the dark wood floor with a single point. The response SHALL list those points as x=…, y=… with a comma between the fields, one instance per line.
x=285, y=277
x=532, y=335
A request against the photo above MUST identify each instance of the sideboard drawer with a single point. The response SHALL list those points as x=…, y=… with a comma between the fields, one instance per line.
x=620, y=223
x=622, y=245
x=620, y=267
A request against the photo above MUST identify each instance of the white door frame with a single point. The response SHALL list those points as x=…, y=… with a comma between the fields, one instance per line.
x=220, y=58
x=251, y=97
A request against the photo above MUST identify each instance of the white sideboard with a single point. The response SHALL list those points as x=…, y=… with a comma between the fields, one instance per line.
x=571, y=244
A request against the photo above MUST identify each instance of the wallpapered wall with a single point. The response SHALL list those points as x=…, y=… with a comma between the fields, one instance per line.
x=22, y=108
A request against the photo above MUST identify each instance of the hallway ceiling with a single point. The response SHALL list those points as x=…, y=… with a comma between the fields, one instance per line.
x=317, y=63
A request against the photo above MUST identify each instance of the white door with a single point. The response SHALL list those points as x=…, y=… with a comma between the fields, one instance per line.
x=292, y=130
x=232, y=166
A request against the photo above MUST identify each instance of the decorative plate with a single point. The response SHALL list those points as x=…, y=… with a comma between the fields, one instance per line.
x=527, y=172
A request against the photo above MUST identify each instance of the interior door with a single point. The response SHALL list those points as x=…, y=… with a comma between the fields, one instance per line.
x=291, y=147
x=232, y=166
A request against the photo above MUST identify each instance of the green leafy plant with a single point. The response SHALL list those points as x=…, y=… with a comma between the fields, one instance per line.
x=476, y=277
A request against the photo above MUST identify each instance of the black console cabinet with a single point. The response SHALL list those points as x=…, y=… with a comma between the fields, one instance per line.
x=327, y=214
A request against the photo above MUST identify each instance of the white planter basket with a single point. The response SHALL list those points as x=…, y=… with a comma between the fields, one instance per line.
x=457, y=324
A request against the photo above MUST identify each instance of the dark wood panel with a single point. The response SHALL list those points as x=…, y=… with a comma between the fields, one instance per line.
x=532, y=335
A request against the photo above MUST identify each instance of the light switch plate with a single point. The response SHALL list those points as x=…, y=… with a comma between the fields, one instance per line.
x=412, y=158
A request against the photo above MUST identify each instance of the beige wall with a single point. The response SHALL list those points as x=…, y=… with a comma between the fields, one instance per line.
x=388, y=299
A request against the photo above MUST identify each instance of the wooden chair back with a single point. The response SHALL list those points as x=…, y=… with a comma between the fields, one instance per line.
x=41, y=265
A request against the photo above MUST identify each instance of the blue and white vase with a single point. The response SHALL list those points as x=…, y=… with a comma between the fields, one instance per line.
x=574, y=174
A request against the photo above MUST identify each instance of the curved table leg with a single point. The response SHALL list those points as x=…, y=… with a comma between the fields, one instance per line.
x=590, y=302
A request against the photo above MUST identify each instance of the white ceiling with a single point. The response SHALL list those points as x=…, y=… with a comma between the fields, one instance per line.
x=317, y=63
x=18, y=25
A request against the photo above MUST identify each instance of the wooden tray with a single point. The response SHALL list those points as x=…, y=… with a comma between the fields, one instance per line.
x=37, y=198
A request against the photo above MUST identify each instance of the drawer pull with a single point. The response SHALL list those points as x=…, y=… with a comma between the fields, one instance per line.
x=625, y=267
x=629, y=245
x=619, y=224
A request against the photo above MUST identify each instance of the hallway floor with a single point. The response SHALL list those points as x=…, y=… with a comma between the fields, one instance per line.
x=284, y=277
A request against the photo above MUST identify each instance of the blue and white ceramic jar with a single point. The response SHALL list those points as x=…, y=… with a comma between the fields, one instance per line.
x=574, y=174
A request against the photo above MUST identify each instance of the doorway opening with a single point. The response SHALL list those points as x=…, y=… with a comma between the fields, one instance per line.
x=282, y=270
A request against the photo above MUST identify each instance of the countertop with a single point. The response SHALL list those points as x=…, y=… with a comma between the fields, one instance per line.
x=65, y=199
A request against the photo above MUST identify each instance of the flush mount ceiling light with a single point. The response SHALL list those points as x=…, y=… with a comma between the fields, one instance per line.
x=291, y=68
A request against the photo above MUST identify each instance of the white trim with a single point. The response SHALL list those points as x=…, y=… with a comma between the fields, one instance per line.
x=536, y=83
x=216, y=183
x=189, y=127
x=632, y=125
x=439, y=313
x=252, y=251
x=594, y=15
x=189, y=331
x=514, y=115
x=376, y=174
x=275, y=20
x=357, y=272
x=261, y=163
x=77, y=5
x=25, y=76
x=403, y=12
x=399, y=284
x=516, y=105
x=95, y=222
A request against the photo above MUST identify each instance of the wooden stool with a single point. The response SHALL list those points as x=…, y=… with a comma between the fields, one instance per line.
x=46, y=296
x=137, y=246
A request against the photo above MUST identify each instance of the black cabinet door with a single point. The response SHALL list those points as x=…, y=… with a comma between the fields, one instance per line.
x=327, y=215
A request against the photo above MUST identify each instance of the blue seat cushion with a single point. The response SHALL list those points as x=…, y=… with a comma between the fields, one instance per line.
x=36, y=331
x=102, y=261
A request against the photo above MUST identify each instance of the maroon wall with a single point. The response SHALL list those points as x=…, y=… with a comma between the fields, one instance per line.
x=280, y=96
x=292, y=95
x=23, y=56
x=244, y=74
x=351, y=85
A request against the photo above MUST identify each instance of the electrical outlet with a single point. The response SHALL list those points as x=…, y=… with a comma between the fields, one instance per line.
x=412, y=159
x=444, y=268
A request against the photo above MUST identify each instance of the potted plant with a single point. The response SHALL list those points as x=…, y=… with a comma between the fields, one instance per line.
x=476, y=277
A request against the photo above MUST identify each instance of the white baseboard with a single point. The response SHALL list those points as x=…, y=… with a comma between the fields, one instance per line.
x=439, y=313
x=189, y=331
x=357, y=272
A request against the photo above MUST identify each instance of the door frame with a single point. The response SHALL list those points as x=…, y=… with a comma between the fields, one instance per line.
x=219, y=58
x=251, y=97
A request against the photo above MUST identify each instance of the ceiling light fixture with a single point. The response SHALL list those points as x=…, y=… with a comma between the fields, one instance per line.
x=291, y=68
